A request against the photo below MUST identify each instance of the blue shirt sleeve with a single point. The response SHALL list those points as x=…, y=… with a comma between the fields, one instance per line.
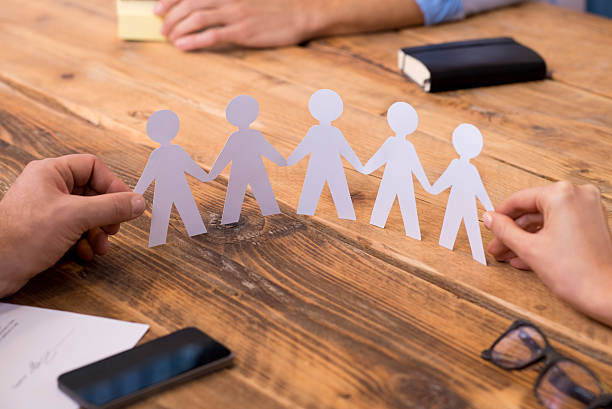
x=437, y=11
x=477, y=6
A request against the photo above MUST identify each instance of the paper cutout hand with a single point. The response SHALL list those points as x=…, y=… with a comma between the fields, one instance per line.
x=204, y=179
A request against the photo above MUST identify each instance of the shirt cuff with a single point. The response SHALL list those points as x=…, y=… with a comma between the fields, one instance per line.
x=438, y=11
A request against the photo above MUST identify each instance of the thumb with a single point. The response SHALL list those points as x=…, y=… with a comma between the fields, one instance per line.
x=106, y=209
x=509, y=233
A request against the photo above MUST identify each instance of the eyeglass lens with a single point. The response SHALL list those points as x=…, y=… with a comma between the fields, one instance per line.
x=567, y=385
x=518, y=348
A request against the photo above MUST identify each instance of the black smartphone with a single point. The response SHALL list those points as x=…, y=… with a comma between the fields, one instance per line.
x=136, y=373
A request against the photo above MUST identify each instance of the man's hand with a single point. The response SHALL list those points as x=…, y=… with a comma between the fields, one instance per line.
x=561, y=233
x=56, y=204
x=194, y=24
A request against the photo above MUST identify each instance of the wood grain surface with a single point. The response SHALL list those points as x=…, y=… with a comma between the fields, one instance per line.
x=320, y=312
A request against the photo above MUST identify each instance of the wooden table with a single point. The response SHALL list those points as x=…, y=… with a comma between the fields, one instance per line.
x=320, y=312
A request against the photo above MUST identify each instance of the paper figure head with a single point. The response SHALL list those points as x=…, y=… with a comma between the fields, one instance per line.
x=325, y=105
x=402, y=118
x=163, y=126
x=467, y=141
x=242, y=111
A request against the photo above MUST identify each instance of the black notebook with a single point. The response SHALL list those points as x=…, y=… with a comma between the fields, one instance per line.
x=474, y=63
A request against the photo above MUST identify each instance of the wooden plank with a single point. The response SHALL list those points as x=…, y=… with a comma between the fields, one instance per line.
x=88, y=83
x=314, y=321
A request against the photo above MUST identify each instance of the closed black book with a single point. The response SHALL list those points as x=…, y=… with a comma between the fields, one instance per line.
x=474, y=63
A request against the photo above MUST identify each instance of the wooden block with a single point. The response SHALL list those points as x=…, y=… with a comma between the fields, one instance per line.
x=137, y=21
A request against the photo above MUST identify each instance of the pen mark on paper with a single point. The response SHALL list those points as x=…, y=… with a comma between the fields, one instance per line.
x=8, y=328
x=45, y=358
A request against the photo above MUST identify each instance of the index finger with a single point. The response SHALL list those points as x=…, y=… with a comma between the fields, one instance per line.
x=520, y=203
x=84, y=170
x=163, y=6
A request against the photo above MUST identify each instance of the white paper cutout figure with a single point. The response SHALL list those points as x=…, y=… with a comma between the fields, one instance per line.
x=167, y=166
x=325, y=144
x=466, y=185
x=245, y=149
x=401, y=161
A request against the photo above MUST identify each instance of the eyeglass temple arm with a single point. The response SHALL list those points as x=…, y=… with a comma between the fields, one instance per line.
x=603, y=401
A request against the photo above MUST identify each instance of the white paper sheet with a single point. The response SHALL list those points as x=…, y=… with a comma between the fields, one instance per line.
x=466, y=186
x=37, y=345
x=326, y=146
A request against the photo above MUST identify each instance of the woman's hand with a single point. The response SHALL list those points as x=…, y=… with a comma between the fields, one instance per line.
x=560, y=232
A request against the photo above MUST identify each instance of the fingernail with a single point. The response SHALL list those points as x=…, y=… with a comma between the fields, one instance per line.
x=487, y=219
x=158, y=9
x=138, y=205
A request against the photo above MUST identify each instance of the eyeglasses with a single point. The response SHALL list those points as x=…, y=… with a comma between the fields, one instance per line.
x=562, y=383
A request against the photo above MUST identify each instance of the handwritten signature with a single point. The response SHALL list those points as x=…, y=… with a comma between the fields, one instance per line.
x=45, y=359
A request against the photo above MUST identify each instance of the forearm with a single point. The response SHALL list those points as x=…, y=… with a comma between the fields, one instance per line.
x=345, y=16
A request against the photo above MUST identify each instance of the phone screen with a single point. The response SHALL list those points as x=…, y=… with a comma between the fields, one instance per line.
x=137, y=372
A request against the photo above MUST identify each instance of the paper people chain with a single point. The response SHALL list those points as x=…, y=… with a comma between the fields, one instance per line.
x=326, y=146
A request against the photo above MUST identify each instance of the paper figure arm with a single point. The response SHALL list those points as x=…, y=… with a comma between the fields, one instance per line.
x=147, y=177
x=270, y=151
x=301, y=151
x=481, y=193
x=191, y=167
x=379, y=159
x=445, y=181
x=349, y=154
x=222, y=161
x=418, y=171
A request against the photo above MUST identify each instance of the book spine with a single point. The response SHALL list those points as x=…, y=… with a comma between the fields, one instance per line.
x=494, y=76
